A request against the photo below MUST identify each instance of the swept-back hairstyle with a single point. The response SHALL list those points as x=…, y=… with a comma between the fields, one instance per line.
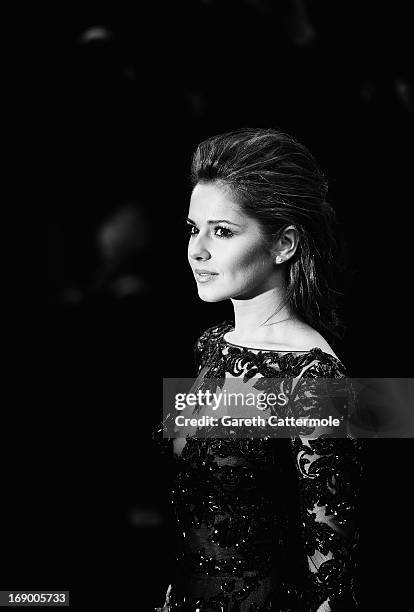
x=276, y=180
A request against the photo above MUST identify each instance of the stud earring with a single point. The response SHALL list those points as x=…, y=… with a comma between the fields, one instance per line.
x=279, y=259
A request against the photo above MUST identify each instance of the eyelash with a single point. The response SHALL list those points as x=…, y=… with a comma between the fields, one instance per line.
x=228, y=232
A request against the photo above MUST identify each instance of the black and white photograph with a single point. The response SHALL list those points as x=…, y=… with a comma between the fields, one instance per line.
x=227, y=397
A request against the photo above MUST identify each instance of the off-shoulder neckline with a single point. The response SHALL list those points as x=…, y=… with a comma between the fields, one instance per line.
x=315, y=350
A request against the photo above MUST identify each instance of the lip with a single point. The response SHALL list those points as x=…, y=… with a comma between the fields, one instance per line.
x=204, y=276
x=200, y=271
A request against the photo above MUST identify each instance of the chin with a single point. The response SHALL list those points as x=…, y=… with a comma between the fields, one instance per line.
x=211, y=296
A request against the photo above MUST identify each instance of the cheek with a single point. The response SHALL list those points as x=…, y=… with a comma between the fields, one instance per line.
x=249, y=261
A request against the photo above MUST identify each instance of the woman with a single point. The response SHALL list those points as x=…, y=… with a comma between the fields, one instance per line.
x=264, y=523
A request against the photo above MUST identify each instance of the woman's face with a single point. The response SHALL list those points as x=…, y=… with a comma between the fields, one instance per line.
x=226, y=249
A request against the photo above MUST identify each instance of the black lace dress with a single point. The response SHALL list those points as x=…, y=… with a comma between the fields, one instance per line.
x=264, y=523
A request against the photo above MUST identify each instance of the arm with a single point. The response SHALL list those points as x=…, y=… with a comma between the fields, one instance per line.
x=206, y=343
x=329, y=469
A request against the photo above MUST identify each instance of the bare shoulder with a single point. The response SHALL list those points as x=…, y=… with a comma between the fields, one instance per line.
x=295, y=336
x=304, y=338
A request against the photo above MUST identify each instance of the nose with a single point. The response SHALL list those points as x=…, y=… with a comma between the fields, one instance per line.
x=197, y=249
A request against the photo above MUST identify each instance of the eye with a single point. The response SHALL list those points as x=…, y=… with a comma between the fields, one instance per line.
x=219, y=231
x=225, y=232
x=191, y=229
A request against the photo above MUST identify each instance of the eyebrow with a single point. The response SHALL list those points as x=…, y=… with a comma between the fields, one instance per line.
x=214, y=221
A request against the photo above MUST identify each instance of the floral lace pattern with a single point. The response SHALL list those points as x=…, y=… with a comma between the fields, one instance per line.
x=264, y=524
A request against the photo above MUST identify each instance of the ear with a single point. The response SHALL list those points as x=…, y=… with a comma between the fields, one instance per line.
x=285, y=246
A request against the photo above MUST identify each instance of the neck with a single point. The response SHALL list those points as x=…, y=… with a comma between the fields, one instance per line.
x=253, y=317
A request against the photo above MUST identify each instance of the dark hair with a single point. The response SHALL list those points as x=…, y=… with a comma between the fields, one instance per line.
x=277, y=181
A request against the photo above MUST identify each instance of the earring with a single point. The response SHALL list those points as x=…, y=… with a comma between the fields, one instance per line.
x=279, y=259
